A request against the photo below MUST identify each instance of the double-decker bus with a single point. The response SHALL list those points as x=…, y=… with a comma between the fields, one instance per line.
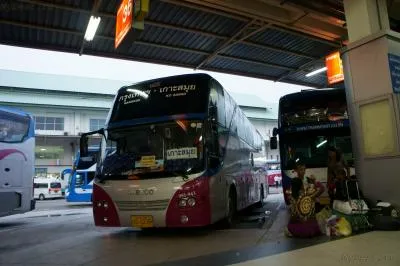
x=309, y=123
x=80, y=184
x=17, y=156
x=182, y=156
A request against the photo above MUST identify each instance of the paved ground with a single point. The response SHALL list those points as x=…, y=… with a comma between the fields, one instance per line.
x=58, y=233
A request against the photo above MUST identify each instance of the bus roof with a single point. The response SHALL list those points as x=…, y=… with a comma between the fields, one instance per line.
x=14, y=111
x=176, y=77
x=310, y=93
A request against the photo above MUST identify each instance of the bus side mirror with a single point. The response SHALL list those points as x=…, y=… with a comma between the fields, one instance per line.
x=84, y=146
x=273, y=143
x=84, y=142
x=274, y=132
x=213, y=113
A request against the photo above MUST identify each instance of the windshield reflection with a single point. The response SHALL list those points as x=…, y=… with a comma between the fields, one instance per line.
x=157, y=150
x=313, y=149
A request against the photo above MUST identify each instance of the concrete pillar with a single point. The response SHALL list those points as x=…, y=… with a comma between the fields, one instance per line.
x=365, y=17
x=372, y=69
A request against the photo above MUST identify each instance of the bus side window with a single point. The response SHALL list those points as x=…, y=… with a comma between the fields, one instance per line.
x=79, y=180
x=221, y=104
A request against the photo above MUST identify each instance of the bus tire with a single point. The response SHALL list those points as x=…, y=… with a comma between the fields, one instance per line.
x=260, y=204
x=232, y=208
x=41, y=197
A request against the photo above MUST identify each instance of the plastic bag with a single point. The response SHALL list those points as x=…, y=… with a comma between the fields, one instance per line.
x=322, y=218
x=343, y=227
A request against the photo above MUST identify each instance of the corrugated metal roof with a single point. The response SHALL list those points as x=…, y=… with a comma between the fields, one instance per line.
x=176, y=33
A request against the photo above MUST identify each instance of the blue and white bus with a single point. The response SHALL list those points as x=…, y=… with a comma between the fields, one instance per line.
x=17, y=157
x=80, y=185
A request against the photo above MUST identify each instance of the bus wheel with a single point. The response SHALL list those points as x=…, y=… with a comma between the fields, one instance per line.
x=230, y=219
x=260, y=204
x=41, y=197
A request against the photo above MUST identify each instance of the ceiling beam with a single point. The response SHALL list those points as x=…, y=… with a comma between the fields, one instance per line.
x=173, y=27
x=245, y=32
x=200, y=7
x=316, y=36
x=256, y=62
x=299, y=69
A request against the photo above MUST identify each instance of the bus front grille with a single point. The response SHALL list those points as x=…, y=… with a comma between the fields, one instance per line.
x=154, y=205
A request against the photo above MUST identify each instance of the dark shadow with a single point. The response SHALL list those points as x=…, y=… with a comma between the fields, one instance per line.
x=5, y=225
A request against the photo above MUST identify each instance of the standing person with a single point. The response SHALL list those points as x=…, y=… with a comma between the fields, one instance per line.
x=276, y=178
x=336, y=163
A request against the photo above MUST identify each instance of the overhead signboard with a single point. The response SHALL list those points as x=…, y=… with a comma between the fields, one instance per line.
x=124, y=21
x=334, y=68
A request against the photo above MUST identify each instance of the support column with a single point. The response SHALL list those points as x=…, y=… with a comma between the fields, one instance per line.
x=372, y=77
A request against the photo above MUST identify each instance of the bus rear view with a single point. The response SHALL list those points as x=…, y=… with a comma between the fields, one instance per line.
x=17, y=151
x=176, y=152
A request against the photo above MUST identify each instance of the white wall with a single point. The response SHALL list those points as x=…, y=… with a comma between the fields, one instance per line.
x=75, y=120
x=265, y=128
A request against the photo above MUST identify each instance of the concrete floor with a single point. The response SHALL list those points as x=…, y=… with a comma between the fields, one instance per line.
x=58, y=233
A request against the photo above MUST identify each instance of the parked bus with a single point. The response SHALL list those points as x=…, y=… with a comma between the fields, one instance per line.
x=309, y=122
x=273, y=172
x=183, y=156
x=80, y=185
x=17, y=155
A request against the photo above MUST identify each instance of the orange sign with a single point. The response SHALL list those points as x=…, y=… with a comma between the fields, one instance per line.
x=334, y=68
x=124, y=20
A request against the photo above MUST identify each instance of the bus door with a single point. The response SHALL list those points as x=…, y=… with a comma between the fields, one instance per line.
x=65, y=180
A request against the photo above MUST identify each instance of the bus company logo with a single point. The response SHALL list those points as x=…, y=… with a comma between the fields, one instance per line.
x=138, y=192
x=132, y=97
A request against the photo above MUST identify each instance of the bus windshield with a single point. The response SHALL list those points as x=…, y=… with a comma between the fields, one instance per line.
x=158, y=150
x=13, y=128
x=312, y=148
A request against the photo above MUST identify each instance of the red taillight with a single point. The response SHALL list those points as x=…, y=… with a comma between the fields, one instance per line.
x=190, y=205
x=104, y=211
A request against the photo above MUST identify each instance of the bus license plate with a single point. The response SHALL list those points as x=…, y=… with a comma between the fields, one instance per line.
x=142, y=221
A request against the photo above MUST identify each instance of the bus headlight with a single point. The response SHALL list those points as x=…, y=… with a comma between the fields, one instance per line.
x=99, y=204
x=105, y=204
x=182, y=203
x=191, y=202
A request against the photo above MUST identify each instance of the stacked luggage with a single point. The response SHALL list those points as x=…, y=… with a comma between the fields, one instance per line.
x=350, y=205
